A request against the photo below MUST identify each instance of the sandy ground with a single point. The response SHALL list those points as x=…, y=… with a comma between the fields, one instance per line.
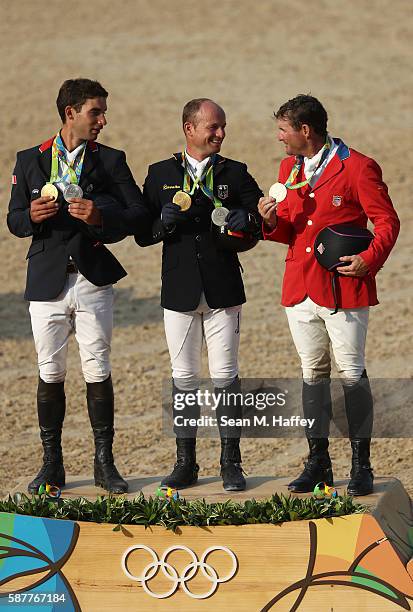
x=153, y=57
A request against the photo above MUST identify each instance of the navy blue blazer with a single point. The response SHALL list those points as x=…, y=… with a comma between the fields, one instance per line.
x=104, y=171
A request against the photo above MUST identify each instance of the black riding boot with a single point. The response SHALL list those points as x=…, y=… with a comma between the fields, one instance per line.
x=185, y=470
x=317, y=468
x=230, y=406
x=231, y=470
x=51, y=404
x=100, y=406
x=359, y=410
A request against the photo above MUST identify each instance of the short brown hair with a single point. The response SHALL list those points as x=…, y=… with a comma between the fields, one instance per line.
x=75, y=92
x=304, y=109
x=191, y=110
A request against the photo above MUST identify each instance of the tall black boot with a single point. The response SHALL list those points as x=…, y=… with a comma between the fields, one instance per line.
x=185, y=470
x=230, y=406
x=51, y=405
x=231, y=470
x=100, y=404
x=317, y=468
x=359, y=411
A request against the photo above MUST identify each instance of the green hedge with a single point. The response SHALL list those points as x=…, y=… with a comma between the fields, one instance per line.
x=173, y=514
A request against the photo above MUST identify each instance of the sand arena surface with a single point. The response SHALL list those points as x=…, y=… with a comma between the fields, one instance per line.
x=153, y=57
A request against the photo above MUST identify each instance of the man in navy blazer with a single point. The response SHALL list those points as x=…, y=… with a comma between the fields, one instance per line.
x=70, y=271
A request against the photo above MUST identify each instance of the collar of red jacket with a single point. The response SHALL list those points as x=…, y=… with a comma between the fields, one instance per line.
x=343, y=151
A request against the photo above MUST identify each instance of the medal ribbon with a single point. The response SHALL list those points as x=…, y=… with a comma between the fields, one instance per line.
x=71, y=170
x=297, y=167
x=207, y=188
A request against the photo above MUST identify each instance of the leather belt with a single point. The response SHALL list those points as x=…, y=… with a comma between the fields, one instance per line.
x=71, y=268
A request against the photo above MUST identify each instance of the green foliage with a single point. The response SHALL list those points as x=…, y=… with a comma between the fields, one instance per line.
x=173, y=514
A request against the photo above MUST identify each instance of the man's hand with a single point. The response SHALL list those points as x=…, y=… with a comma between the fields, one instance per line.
x=42, y=209
x=267, y=207
x=85, y=210
x=237, y=220
x=356, y=267
x=172, y=214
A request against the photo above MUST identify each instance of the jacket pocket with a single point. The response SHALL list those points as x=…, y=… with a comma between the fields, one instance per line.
x=35, y=247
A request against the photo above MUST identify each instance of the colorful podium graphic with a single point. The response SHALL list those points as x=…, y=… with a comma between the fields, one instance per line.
x=33, y=552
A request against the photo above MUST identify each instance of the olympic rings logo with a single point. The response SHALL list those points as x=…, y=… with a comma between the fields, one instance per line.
x=171, y=573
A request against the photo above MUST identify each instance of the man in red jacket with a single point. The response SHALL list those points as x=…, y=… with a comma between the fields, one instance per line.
x=323, y=182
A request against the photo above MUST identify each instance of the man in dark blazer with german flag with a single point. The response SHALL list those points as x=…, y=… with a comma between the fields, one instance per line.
x=70, y=271
x=204, y=209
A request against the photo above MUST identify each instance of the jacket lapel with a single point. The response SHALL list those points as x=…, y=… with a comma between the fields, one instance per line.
x=219, y=165
x=45, y=163
x=90, y=161
x=333, y=168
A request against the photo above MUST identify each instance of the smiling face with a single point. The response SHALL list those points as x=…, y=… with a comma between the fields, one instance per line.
x=87, y=123
x=295, y=141
x=205, y=134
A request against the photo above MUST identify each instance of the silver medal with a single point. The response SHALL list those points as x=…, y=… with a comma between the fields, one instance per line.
x=72, y=191
x=218, y=215
x=278, y=191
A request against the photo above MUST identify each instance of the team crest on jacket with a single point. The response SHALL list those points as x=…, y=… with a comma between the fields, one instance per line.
x=336, y=201
x=222, y=191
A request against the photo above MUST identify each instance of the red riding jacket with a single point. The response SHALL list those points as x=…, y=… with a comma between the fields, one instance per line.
x=350, y=190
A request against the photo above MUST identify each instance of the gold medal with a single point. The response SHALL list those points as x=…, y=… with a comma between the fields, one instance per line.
x=49, y=191
x=182, y=199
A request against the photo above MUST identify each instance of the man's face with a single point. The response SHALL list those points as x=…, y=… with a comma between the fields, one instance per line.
x=295, y=141
x=87, y=123
x=205, y=136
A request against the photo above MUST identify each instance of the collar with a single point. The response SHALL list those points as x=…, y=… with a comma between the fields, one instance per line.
x=195, y=163
x=343, y=150
x=71, y=155
x=219, y=160
x=92, y=145
x=312, y=162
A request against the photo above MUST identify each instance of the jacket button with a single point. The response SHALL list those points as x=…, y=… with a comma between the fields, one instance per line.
x=308, y=249
x=199, y=255
x=309, y=222
x=197, y=219
x=311, y=195
x=198, y=237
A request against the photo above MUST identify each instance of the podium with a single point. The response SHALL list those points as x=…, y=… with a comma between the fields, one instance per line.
x=353, y=562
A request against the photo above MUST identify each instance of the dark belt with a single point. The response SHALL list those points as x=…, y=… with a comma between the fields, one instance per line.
x=71, y=268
